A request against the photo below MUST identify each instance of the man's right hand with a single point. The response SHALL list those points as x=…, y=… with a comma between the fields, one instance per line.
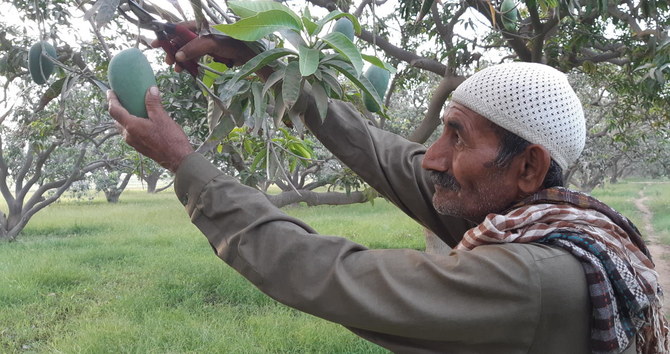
x=224, y=49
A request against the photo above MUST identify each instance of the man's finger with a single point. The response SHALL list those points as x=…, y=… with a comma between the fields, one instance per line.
x=116, y=110
x=195, y=49
x=152, y=100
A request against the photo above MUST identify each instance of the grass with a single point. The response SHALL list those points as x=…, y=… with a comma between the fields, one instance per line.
x=138, y=277
x=92, y=277
x=620, y=196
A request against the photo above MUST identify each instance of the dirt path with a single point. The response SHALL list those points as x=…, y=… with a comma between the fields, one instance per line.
x=660, y=253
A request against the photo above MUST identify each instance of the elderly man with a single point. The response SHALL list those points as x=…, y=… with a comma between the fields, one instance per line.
x=535, y=268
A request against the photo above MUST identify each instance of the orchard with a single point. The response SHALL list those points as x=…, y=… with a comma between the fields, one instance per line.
x=397, y=61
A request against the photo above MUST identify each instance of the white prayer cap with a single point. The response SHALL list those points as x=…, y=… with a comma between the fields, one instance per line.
x=533, y=101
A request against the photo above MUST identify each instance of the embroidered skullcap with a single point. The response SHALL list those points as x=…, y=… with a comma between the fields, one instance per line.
x=533, y=101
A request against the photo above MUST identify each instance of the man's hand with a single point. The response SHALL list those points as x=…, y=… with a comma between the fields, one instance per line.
x=223, y=49
x=159, y=137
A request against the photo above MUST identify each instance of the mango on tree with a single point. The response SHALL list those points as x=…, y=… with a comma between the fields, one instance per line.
x=40, y=67
x=379, y=78
x=130, y=76
x=344, y=26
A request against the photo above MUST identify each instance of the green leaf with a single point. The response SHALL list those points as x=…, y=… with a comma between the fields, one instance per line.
x=336, y=14
x=246, y=9
x=343, y=45
x=261, y=60
x=256, y=90
x=256, y=27
x=293, y=37
x=378, y=62
x=321, y=99
x=309, y=60
x=292, y=84
x=280, y=107
x=425, y=8
x=331, y=80
x=310, y=25
x=259, y=160
x=272, y=80
x=361, y=82
x=209, y=77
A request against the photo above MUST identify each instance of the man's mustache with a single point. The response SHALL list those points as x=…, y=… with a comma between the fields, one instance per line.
x=444, y=180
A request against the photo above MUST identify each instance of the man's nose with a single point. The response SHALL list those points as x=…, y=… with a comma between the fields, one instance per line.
x=437, y=156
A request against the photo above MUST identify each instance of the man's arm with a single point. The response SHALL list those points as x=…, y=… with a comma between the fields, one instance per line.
x=403, y=293
x=386, y=161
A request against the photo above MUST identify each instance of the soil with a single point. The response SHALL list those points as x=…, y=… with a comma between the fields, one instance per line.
x=660, y=253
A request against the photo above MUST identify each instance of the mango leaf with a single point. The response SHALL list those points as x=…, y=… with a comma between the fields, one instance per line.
x=330, y=79
x=292, y=84
x=425, y=8
x=102, y=12
x=256, y=27
x=280, y=107
x=309, y=60
x=246, y=9
x=359, y=81
x=271, y=81
x=310, y=25
x=256, y=91
x=321, y=99
x=259, y=160
x=210, y=76
x=334, y=15
x=259, y=61
x=378, y=62
x=292, y=37
x=343, y=45
x=294, y=116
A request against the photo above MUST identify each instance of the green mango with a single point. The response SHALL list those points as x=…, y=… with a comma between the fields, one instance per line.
x=379, y=78
x=344, y=26
x=509, y=14
x=41, y=68
x=130, y=76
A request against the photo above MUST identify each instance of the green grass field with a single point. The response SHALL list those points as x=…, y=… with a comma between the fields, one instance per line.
x=137, y=277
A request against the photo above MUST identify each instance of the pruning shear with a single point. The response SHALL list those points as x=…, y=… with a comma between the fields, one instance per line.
x=170, y=36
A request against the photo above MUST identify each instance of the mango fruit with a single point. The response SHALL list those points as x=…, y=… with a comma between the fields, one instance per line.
x=40, y=67
x=509, y=14
x=379, y=78
x=130, y=76
x=344, y=26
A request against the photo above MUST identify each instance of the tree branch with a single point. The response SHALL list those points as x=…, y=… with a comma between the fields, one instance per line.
x=432, y=117
x=412, y=58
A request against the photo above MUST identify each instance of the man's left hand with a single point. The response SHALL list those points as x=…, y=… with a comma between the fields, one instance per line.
x=159, y=137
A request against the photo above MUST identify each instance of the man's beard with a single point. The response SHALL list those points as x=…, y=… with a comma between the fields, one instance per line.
x=484, y=199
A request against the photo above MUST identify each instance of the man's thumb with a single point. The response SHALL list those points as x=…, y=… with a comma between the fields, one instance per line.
x=153, y=102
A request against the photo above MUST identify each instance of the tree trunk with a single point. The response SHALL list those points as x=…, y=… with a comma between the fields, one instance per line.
x=152, y=180
x=113, y=194
x=314, y=198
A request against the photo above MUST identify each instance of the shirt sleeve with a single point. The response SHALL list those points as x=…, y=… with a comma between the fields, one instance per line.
x=486, y=295
x=388, y=162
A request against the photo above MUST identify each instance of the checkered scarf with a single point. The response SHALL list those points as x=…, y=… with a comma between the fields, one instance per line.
x=623, y=286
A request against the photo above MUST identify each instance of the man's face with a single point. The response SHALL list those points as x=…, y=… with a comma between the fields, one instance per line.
x=467, y=183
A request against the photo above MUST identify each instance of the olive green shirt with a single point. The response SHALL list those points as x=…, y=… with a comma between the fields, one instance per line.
x=511, y=298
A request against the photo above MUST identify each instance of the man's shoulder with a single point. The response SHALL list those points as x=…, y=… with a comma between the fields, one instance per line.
x=531, y=252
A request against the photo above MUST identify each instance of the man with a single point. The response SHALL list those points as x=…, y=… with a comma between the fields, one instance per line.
x=543, y=271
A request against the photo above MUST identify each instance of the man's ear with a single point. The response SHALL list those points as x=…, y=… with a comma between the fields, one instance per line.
x=533, y=165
